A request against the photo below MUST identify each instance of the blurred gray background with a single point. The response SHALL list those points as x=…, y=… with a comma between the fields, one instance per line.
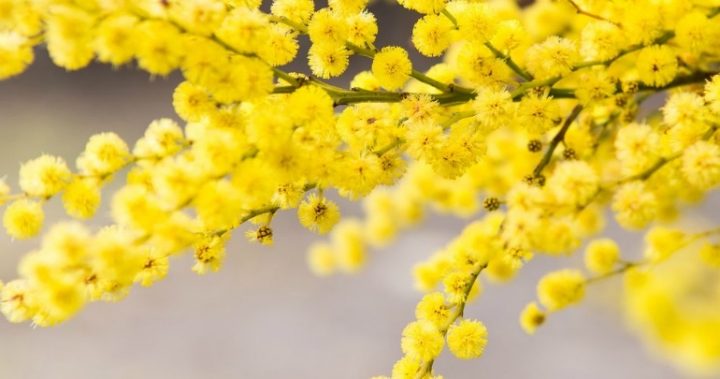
x=264, y=315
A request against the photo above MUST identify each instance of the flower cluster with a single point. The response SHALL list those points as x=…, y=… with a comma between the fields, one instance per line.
x=529, y=116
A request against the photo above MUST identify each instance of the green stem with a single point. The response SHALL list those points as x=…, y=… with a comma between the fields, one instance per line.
x=694, y=78
x=586, y=13
x=625, y=266
x=250, y=215
x=258, y=212
x=327, y=86
x=509, y=62
x=370, y=53
x=498, y=54
x=645, y=175
x=524, y=87
x=359, y=50
x=284, y=20
x=559, y=137
x=457, y=117
x=447, y=88
x=426, y=368
x=622, y=53
x=450, y=17
x=285, y=76
x=562, y=93
x=665, y=37
x=705, y=234
x=395, y=143
x=350, y=97
x=284, y=89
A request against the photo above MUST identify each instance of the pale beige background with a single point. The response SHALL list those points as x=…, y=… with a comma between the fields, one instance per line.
x=264, y=315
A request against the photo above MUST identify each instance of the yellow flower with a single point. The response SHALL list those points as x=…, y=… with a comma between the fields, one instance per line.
x=295, y=10
x=432, y=34
x=601, y=255
x=663, y=242
x=262, y=235
x=209, y=255
x=281, y=47
x=162, y=138
x=701, y=164
x=634, y=205
x=600, y=40
x=321, y=259
x=432, y=308
x=479, y=66
x=636, y=148
x=133, y=206
x=392, y=67
x=154, y=268
x=15, y=54
x=657, y=65
x=362, y=28
x=553, y=57
x=560, y=289
x=191, y=102
x=115, y=38
x=573, y=182
x=405, y=368
x=318, y=214
x=423, y=6
x=327, y=27
x=44, y=176
x=457, y=286
x=69, y=36
x=349, y=245
x=493, y=107
x=104, y=154
x=16, y=301
x=23, y=219
x=68, y=243
x=531, y=318
x=467, y=339
x=422, y=340
x=328, y=60
x=160, y=48
x=81, y=198
x=695, y=31
x=477, y=21
x=198, y=16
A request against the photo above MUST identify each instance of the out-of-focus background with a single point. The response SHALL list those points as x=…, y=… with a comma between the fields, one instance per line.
x=264, y=315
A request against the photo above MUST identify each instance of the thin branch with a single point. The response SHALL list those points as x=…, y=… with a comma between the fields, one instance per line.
x=625, y=266
x=524, y=87
x=559, y=137
x=498, y=54
x=457, y=117
x=426, y=368
x=370, y=52
x=586, y=13
x=509, y=62
x=395, y=143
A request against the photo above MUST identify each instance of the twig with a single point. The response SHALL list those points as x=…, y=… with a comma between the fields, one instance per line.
x=559, y=137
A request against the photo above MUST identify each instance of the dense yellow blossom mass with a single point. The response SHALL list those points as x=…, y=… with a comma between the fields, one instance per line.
x=529, y=117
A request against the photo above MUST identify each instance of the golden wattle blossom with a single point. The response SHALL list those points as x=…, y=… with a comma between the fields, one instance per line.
x=527, y=125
